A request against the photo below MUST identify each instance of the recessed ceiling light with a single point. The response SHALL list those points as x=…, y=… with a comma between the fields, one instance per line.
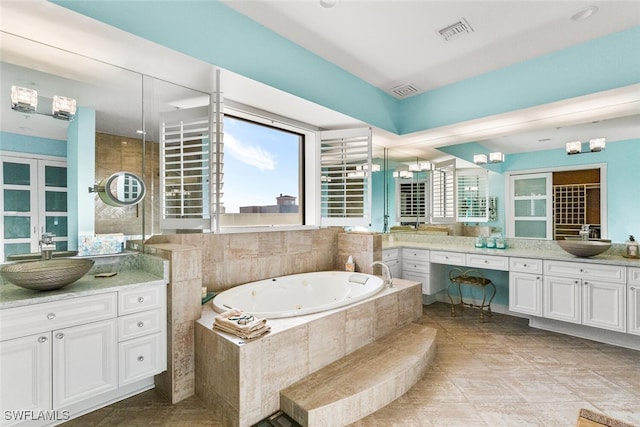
x=583, y=14
x=328, y=3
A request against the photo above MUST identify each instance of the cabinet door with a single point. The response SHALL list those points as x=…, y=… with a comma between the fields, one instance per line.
x=634, y=310
x=85, y=361
x=604, y=305
x=562, y=299
x=25, y=383
x=141, y=358
x=530, y=214
x=525, y=293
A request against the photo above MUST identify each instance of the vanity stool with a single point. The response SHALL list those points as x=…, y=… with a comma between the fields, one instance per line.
x=458, y=277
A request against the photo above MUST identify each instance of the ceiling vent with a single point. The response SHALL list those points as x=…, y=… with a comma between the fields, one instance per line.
x=458, y=29
x=404, y=90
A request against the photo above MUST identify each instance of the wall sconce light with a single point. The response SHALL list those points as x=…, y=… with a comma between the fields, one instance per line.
x=496, y=157
x=480, y=159
x=403, y=174
x=24, y=99
x=574, y=147
x=420, y=166
x=597, y=144
x=63, y=108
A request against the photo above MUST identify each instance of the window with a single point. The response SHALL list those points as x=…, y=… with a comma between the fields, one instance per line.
x=255, y=180
x=412, y=195
x=473, y=195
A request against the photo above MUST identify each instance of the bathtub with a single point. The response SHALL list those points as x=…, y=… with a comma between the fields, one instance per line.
x=299, y=294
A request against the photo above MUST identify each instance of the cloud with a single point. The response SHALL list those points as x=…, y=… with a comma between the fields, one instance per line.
x=249, y=154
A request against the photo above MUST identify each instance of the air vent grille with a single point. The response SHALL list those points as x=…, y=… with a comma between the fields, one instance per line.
x=458, y=29
x=405, y=90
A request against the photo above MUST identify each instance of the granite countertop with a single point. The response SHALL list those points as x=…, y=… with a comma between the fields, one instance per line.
x=132, y=271
x=532, y=252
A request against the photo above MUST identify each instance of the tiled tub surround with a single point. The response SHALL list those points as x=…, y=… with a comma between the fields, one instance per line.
x=240, y=382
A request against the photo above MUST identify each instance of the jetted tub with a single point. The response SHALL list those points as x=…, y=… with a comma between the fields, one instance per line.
x=299, y=294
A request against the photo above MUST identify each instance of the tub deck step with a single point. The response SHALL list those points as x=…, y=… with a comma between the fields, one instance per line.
x=361, y=382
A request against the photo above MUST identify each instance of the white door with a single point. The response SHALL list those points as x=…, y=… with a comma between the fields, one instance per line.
x=634, y=309
x=25, y=380
x=562, y=299
x=525, y=293
x=85, y=361
x=530, y=212
x=604, y=305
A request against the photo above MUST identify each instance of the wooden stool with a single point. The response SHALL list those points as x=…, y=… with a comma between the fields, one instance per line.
x=471, y=278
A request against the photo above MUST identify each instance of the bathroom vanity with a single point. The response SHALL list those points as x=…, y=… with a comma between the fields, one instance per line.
x=595, y=298
x=67, y=352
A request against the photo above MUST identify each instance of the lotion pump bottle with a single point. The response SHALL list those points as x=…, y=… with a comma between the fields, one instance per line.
x=632, y=247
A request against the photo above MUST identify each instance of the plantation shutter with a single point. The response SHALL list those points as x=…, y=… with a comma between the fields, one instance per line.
x=411, y=200
x=190, y=167
x=345, y=164
x=443, y=192
x=473, y=195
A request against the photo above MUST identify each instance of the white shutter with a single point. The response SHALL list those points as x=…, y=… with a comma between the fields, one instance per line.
x=473, y=195
x=412, y=200
x=345, y=165
x=190, y=167
x=443, y=192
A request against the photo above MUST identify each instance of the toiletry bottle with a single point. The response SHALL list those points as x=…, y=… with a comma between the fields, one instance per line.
x=350, y=266
x=632, y=247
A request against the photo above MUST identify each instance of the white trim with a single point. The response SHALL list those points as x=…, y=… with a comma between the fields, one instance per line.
x=22, y=155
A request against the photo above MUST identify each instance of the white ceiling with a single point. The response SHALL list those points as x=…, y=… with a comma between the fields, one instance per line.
x=391, y=43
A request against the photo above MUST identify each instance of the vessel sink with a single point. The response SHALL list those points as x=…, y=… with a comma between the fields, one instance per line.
x=46, y=275
x=584, y=248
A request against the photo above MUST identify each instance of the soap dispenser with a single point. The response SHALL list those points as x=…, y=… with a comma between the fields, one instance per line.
x=632, y=247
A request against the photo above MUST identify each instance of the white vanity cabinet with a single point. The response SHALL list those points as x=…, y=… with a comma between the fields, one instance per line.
x=78, y=353
x=525, y=286
x=633, y=301
x=590, y=294
x=415, y=266
x=391, y=257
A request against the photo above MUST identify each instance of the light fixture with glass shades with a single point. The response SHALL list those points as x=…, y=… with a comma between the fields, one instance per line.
x=25, y=100
x=480, y=159
x=595, y=145
x=496, y=157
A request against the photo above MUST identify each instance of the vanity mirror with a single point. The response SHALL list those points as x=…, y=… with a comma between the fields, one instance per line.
x=120, y=189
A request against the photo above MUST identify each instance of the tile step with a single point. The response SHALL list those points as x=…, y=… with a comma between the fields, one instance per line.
x=363, y=381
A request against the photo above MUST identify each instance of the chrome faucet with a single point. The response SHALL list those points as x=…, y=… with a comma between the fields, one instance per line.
x=386, y=273
x=585, y=232
x=47, y=246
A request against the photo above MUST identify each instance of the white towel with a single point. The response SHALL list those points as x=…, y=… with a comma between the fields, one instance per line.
x=241, y=324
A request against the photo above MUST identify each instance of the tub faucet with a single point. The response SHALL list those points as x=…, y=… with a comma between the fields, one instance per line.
x=47, y=246
x=386, y=273
x=585, y=232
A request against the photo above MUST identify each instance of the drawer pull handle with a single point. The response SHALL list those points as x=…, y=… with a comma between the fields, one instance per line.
x=140, y=300
x=59, y=335
x=582, y=270
x=486, y=261
x=140, y=358
x=632, y=288
x=51, y=316
x=43, y=339
x=524, y=265
x=140, y=324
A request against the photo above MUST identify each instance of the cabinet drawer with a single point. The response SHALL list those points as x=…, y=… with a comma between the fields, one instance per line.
x=611, y=273
x=32, y=319
x=139, y=324
x=415, y=254
x=492, y=262
x=141, y=358
x=390, y=255
x=634, y=275
x=139, y=299
x=415, y=266
x=450, y=258
x=526, y=265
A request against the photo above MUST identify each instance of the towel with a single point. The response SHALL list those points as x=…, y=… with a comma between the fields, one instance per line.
x=241, y=324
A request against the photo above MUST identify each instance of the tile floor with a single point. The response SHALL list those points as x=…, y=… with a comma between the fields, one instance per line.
x=499, y=373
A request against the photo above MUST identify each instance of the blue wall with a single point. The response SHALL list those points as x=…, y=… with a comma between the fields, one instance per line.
x=217, y=34
x=32, y=144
